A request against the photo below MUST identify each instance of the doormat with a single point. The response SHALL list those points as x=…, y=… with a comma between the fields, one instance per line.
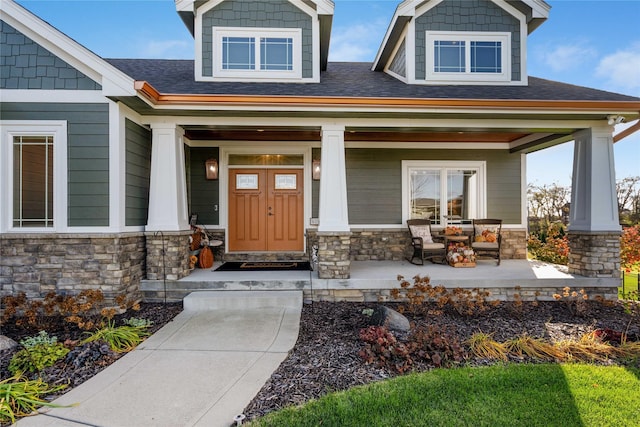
x=265, y=266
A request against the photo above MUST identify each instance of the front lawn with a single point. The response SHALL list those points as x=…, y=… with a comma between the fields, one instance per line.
x=629, y=288
x=502, y=395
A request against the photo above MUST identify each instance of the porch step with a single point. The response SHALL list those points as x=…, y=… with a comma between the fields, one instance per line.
x=241, y=300
x=263, y=256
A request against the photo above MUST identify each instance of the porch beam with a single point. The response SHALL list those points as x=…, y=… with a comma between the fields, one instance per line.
x=168, y=187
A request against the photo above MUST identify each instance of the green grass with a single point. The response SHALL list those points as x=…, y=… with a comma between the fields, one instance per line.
x=630, y=285
x=504, y=395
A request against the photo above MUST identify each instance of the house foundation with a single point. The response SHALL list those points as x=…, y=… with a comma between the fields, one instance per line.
x=37, y=264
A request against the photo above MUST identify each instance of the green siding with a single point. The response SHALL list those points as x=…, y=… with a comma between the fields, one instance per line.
x=203, y=194
x=374, y=182
x=472, y=15
x=138, y=174
x=87, y=152
x=24, y=64
x=253, y=13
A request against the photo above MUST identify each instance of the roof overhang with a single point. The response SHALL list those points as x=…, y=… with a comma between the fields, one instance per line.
x=519, y=125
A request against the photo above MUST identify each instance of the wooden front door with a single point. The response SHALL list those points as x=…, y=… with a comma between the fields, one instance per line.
x=266, y=210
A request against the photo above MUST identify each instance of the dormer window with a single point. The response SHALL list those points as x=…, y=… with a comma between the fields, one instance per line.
x=257, y=53
x=469, y=56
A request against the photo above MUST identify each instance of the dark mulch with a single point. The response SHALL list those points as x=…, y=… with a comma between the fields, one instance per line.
x=325, y=357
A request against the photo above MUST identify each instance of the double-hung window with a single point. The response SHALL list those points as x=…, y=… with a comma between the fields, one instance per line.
x=444, y=192
x=257, y=52
x=32, y=155
x=468, y=56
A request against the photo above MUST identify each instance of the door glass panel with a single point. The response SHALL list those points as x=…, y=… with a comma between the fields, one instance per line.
x=462, y=187
x=247, y=181
x=425, y=194
x=286, y=182
x=266, y=160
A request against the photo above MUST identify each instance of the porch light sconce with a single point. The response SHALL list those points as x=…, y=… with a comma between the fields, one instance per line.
x=212, y=168
x=316, y=170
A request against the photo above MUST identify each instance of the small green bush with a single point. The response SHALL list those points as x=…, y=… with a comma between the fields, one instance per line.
x=36, y=358
x=42, y=338
x=138, y=323
x=120, y=338
x=20, y=397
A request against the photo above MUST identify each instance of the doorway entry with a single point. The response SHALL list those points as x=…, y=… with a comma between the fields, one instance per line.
x=266, y=210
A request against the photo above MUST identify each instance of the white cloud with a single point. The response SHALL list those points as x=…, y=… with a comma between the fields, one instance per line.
x=621, y=70
x=357, y=42
x=568, y=56
x=169, y=49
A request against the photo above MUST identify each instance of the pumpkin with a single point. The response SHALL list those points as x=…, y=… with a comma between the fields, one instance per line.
x=206, y=257
x=490, y=237
x=480, y=238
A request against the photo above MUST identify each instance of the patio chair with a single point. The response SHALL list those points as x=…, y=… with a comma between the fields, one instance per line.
x=422, y=242
x=487, y=239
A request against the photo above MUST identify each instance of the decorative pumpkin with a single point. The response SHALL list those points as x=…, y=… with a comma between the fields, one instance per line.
x=206, y=257
x=480, y=238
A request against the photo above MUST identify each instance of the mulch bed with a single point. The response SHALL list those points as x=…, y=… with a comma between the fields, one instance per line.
x=325, y=357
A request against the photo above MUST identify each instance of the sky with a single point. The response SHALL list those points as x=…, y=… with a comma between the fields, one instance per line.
x=586, y=43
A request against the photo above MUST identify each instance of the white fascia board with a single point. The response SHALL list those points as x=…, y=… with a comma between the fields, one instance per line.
x=539, y=8
x=429, y=145
x=114, y=82
x=324, y=7
x=185, y=5
x=406, y=8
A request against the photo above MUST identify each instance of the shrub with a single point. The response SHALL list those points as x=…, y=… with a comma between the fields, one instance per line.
x=120, y=339
x=630, y=248
x=37, y=357
x=552, y=246
x=466, y=302
x=575, y=301
x=438, y=346
x=382, y=347
x=20, y=397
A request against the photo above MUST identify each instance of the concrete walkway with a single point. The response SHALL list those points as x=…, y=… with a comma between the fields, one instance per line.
x=201, y=369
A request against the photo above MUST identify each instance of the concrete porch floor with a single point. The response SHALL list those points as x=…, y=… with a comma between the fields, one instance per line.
x=370, y=277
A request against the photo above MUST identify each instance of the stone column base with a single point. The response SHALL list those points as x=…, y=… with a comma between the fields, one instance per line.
x=594, y=253
x=174, y=265
x=333, y=255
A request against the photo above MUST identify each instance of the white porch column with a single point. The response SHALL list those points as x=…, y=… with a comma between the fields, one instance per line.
x=333, y=210
x=594, y=226
x=168, y=189
x=594, y=204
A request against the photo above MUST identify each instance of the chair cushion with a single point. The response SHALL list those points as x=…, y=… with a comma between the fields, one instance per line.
x=484, y=245
x=485, y=233
x=423, y=231
x=432, y=246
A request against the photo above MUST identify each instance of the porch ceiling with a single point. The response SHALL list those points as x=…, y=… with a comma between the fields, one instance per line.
x=518, y=139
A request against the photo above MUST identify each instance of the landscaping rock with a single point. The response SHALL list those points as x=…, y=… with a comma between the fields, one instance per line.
x=391, y=319
x=7, y=343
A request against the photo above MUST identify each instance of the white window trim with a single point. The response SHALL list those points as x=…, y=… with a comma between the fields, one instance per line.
x=257, y=33
x=57, y=129
x=468, y=37
x=443, y=166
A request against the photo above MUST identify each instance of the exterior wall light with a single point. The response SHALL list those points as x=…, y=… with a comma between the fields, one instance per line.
x=211, y=169
x=315, y=174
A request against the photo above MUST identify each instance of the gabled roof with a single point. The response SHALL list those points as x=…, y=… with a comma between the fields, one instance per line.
x=113, y=81
x=536, y=12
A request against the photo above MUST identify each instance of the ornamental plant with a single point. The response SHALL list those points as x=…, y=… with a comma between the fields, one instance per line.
x=20, y=397
x=37, y=357
x=551, y=246
x=630, y=249
x=120, y=338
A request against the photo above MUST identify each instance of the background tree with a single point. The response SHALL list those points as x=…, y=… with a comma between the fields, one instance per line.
x=628, y=191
